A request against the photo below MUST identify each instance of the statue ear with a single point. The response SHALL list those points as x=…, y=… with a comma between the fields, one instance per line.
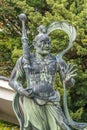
x=34, y=44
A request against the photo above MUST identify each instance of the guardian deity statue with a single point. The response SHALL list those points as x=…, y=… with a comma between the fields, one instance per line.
x=36, y=103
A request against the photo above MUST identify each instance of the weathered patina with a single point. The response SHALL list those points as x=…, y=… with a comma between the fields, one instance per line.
x=37, y=104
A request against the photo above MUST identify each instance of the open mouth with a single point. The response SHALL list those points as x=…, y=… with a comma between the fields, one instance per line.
x=46, y=49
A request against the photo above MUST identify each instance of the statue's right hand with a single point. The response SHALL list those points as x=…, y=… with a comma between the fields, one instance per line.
x=23, y=92
x=24, y=40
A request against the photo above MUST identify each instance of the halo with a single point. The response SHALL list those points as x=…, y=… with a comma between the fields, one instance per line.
x=66, y=27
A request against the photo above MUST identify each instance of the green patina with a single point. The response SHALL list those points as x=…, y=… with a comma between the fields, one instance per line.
x=39, y=102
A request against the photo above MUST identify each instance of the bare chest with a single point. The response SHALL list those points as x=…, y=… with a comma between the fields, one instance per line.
x=43, y=66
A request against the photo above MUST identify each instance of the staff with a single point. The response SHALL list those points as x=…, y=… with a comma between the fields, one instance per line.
x=26, y=50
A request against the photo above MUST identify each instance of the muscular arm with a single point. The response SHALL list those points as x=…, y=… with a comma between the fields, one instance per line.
x=64, y=72
x=17, y=78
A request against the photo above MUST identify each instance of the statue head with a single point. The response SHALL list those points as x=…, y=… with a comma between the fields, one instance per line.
x=42, y=41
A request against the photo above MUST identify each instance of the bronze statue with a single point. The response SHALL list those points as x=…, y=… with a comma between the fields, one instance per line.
x=36, y=103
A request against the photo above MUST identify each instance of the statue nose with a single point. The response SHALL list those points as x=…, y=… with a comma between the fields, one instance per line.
x=47, y=44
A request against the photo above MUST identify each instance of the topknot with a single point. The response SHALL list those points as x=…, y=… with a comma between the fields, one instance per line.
x=42, y=29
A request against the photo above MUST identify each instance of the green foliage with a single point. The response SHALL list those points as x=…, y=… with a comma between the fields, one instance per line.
x=10, y=50
x=77, y=115
x=7, y=126
x=45, y=12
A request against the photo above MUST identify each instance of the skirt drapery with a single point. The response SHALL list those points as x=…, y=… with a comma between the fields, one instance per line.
x=43, y=117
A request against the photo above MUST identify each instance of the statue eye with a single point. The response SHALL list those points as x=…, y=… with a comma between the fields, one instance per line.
x=42, y=42
x=39, y=44
x=48, y=42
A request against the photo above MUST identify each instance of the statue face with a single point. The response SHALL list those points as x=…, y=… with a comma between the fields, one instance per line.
x=42, y=46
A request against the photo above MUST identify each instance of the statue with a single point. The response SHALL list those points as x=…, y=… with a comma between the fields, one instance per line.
x=36, y=103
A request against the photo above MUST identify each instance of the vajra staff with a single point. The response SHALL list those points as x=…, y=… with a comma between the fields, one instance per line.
x=26, y=49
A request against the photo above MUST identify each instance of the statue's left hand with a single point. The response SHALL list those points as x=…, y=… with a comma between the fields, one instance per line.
x=68, y=72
